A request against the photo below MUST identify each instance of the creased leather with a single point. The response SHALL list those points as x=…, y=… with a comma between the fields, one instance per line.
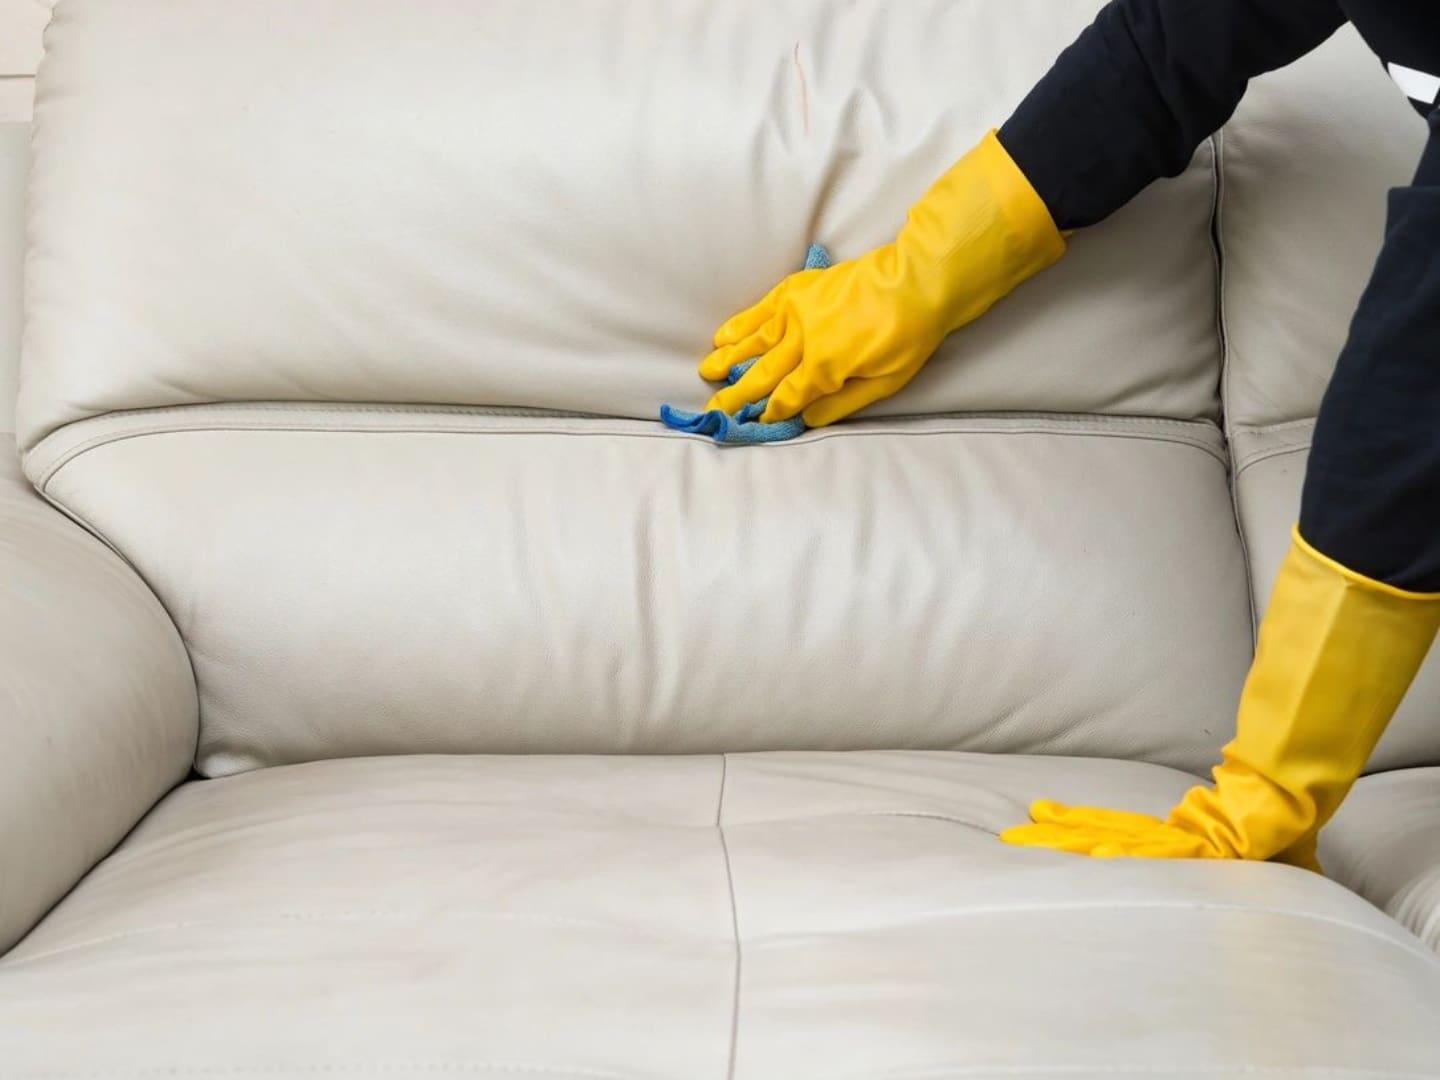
x=584, y=918
x=354, y=582
x=371, y=201
x=97, y=703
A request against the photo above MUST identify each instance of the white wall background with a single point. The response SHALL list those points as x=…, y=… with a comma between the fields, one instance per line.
x=21, y=23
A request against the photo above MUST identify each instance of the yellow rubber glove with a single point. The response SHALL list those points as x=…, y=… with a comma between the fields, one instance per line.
x=1336, y=653
x=831, y=341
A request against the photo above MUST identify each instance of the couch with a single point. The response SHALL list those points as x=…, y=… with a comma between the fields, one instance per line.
x=384, y=693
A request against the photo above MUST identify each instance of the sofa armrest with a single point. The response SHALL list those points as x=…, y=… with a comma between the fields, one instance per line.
x=98, y=711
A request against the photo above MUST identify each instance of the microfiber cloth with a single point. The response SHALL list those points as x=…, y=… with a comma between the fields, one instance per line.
x=743, y=427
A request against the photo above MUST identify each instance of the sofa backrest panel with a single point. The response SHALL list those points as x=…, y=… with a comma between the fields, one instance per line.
x=547, y=204
x=348, y=323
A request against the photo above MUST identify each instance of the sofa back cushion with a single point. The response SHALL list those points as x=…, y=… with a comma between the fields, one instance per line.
x=348, y=323
x=545, y=204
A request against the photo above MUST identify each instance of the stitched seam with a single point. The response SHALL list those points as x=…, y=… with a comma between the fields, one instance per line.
x=1117, y=427
x=66, y=457
x=1098, y=423
x=303, y=408
x=1266, y=437
x=734, y=916
x=1282, y=425
x=342, y=409
x=1266, y=455
x=357, y=917
x=1095, y=421
x=1290, y=435
x=481, y=411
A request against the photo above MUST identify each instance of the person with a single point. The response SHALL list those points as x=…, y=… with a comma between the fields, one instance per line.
x=1356, y=603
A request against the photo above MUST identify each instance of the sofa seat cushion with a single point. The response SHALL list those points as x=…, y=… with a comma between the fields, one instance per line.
x=1385, y=844
x=768, y=916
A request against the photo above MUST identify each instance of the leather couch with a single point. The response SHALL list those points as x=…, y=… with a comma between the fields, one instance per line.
x=383, y=693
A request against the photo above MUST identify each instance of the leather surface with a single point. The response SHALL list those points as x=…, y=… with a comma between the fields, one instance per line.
x=357, y=582
x=1270, y=468
x=97, y=704
x=774, y=917
x=362, y=201
x=22, y=23
x=319, y=201
x=1385, y=844
x=1307, y=160
x=14, y=161
x=16, y=98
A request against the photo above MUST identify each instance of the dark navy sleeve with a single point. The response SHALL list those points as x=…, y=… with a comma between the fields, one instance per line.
x=1371, y=499
x=1142, y=87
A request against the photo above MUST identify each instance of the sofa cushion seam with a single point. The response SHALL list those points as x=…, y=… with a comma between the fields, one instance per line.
x=734, y=917
x=67, y=457
x=1265, y=455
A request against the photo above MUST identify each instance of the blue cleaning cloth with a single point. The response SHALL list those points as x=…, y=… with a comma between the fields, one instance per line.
x=743, y=427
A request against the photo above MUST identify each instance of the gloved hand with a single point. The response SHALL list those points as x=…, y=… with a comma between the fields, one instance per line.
x=1336, y=653
x=830, y=342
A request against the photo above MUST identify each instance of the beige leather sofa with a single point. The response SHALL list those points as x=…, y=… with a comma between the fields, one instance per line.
x=383, y=693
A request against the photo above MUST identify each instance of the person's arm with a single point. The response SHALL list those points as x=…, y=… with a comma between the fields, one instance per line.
x=1371, y=498
x=1356, y=604
x=1127, y=103
x=1145, y=84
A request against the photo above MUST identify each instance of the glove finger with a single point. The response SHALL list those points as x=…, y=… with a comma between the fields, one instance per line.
x=1158, y=846
x=760, y=380
x=1054, y=837
x=1045, y=812
x=744, y=323
x=849, y=399
x=816, y=378
x=716, y=366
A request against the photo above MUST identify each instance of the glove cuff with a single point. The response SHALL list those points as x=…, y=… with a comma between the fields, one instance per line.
x=1337, y=652
x=1354, y=577
x=980, y=231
